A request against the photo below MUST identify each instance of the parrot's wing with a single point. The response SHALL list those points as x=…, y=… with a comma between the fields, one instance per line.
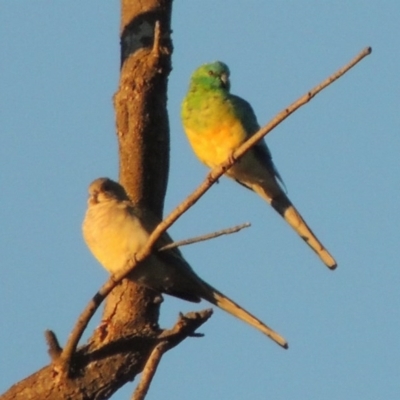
x=244, y=111
x=261, y=151
x=184, y=282
x=175, y=276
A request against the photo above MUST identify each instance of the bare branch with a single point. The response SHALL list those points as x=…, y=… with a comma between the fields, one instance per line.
x=202, y=238
x=54, y=348
x=280, y=117
x=64, y=360
x=211, y=178
x=149, y=371
x=218, y=171
x=185, y=326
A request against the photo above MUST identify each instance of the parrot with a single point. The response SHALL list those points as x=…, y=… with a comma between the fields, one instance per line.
x=216, y=123
x=115, y=229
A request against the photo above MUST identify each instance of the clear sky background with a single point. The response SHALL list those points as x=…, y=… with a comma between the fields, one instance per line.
x=338, y=155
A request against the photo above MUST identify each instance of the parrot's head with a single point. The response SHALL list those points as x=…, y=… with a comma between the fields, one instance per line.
x=104, y=189
x=212, y=76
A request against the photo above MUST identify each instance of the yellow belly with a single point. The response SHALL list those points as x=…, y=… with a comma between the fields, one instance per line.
x=214, y=146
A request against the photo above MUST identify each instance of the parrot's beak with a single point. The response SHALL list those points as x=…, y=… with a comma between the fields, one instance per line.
x=225, y=81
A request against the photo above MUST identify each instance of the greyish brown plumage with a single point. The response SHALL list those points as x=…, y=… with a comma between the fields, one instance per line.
x=115, y=230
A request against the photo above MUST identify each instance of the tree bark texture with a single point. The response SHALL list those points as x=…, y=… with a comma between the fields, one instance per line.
x=118, y=349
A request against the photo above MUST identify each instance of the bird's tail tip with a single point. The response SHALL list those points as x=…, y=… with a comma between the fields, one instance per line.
x=328, y=260
x=282, y=342
x=332, y=267
x=276, y=337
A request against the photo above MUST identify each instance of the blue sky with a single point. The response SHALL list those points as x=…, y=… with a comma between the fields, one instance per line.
x=338, y=156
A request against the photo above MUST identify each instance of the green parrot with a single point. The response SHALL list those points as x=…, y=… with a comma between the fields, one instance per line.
x=216, y=123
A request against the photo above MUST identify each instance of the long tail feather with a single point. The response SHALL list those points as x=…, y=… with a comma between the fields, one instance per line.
x=287, y=210
x=217, y=298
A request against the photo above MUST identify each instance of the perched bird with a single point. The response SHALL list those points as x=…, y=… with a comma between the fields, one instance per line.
x=115, y=230
x=216, y=123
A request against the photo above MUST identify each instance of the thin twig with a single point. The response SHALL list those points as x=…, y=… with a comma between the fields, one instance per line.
x=211, y=178
x=280, y=117
x=218, y=171
x=81, y=324
x=185, y=326
x=54, y=348
x=202, y=238
x=149, y=371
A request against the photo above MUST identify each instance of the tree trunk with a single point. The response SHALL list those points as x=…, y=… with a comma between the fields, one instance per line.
x=117, y=351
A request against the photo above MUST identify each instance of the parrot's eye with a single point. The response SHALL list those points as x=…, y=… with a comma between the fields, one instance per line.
x=107, y=186
x=211, y=73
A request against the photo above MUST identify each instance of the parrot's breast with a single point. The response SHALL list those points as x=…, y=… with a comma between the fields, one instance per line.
x=213, y=130
x=113, y=235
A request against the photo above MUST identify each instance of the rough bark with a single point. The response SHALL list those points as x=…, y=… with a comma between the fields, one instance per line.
x=143, y=137
x=118, y=349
